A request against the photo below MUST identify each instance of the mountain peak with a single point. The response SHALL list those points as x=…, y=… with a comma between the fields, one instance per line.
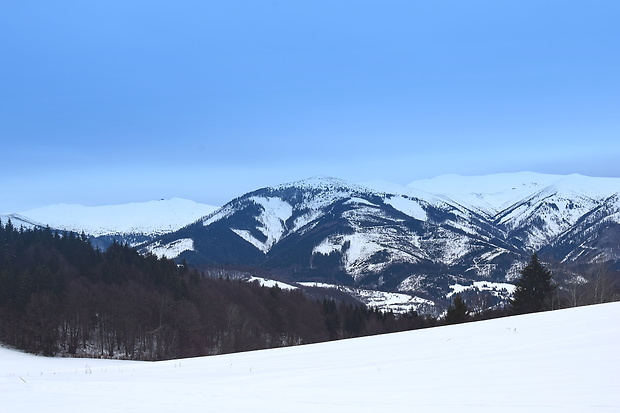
x=321, y=182
x=491, y=194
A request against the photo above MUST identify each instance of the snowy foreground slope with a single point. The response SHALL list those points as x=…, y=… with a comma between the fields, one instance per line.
x=560, y=361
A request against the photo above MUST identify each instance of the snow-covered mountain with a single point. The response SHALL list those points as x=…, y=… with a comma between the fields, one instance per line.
x=424, y=239
x=132, y=223
x=20, y=221
x=427, y=239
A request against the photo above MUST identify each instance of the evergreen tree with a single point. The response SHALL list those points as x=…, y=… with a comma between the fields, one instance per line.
x=457, y=312
x=534, y=289
x=61, y=296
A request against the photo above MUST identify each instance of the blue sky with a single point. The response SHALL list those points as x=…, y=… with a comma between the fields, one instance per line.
x=116, y=101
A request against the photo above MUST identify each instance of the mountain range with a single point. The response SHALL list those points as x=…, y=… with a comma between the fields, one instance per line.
x=133, y=223
x=425, y=241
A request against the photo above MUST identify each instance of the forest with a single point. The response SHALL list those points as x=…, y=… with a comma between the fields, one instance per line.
x=60, y=296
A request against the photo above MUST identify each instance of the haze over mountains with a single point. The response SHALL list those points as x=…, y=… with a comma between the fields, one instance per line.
x=425, y=240
x=133, y=223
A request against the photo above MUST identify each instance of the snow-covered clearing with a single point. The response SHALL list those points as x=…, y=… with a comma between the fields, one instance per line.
x=265, y=282
x=494, y=288
x=408, y=206
x=562, y=361
x=381, y=300
x=172, y=249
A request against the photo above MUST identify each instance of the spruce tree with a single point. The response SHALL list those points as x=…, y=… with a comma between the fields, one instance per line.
x=457, y=312
x=534, y=289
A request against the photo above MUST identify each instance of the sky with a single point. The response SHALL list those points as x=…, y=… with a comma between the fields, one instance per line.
x=114, y=102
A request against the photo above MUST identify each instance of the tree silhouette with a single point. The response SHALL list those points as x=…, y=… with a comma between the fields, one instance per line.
x=534, y=289
x=457, y=312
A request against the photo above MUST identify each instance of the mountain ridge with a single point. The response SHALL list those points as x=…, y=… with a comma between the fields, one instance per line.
x=134, y=223
x=400, y=239
x=417, y=239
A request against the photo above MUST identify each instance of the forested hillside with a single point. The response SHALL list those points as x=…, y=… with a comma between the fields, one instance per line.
x=61, y=296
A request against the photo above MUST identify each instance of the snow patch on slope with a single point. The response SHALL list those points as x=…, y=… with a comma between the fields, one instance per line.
x=247, y=236
x=381, y=300
x=447, y=246
x=19, y=221
x=497, y=289
x=272, y=218
x=489, y=194
x=265, y=282
x=547, y=214
x=408, y=207
x=356, y=248
x=172, y=249
x=360, y=249
x=306, y=219
x=412, y=283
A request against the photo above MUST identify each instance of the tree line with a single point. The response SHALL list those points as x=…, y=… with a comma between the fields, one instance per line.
x=536, y=291
x=61, y=296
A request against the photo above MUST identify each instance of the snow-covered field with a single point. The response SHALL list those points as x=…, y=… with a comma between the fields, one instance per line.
x=381, y=300
x=562, y=361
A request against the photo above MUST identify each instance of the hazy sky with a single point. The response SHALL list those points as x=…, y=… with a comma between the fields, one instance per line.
x=120, y=101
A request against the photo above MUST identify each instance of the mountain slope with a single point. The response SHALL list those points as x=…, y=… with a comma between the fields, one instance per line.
x=556, y=361
x=20, y=221
x=132, y=223
x=426, y=239
x=412, y=239
x=329, y=230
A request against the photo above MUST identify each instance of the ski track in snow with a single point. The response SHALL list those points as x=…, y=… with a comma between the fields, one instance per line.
x=560, y=361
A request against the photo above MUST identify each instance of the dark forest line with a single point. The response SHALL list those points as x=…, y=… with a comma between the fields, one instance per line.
x=61, y=296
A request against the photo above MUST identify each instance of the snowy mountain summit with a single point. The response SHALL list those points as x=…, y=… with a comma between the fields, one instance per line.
x=429, y=239
x=426, y=239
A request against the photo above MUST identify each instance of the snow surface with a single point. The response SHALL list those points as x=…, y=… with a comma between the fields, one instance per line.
x=408, y=206
x=172, y=249
x=560, y=361
x=153, y=217
x=487, y=193
x=398, y=303
x=265, y=282
x=497, y=289
x=362, y=245
x=493, y=193
x=19, y=221
x=273, y=217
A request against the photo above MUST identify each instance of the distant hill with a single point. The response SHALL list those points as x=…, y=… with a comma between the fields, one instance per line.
x=426, y=240
x=133, y=223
